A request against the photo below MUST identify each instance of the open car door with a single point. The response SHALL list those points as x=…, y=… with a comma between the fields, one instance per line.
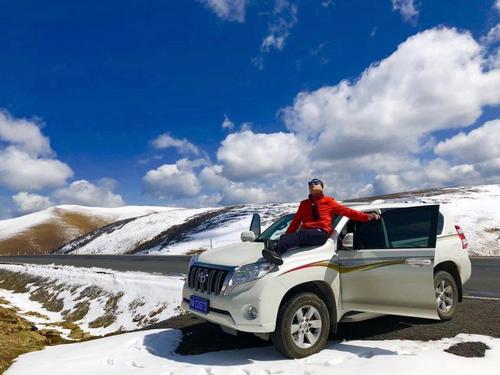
x=390, y=268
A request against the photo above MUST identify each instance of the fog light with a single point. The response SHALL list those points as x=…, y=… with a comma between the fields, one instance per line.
x=252, y=312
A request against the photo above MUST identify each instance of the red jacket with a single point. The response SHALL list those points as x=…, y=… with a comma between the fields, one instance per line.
x=327, y=208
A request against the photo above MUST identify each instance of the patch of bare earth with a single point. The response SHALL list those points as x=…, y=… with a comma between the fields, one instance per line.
x=19, y=336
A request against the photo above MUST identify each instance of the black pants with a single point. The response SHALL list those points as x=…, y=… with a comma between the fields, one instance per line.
x=303, y=237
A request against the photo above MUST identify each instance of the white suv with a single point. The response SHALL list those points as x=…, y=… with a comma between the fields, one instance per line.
x=412, y=262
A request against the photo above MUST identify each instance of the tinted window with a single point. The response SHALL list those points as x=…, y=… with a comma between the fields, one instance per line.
x=369, y=235
x=440, y=223
x=411, y=227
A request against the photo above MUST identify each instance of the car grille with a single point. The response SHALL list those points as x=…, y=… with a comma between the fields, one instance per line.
x=210, y=283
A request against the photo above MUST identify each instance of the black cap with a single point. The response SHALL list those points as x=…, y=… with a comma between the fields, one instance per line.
x=315, y=181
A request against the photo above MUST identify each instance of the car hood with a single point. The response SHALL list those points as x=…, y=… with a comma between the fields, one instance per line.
x=237, y=254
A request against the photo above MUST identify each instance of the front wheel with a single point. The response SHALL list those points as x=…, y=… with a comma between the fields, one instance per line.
x=446, y=294
x=302, y=327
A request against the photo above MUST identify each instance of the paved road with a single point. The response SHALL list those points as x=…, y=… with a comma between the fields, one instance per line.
x=485, y=279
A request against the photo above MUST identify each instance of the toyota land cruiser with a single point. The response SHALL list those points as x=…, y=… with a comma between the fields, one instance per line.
x=412, y=262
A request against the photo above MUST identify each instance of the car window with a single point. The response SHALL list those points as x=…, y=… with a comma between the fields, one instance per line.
x=440, y=223
x=276, y=229
x=412, y=227
x=369, y=235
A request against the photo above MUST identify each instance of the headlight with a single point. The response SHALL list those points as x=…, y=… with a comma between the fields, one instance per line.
x=248, y=273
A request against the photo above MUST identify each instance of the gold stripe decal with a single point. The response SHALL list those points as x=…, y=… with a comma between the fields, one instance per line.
x=345, y=269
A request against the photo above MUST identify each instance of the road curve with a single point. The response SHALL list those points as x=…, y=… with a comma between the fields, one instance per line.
x=485, y=281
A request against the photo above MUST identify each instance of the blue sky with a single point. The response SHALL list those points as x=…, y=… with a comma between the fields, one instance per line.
x=101, y=81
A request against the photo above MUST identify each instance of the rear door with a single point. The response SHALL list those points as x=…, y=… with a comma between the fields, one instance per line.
x=390, y=269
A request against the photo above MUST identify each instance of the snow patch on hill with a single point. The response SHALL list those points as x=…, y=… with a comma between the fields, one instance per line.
x=99, y=301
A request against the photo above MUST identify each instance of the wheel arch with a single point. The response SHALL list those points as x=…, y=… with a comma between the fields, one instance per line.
x=452, y=269
x=323, y=290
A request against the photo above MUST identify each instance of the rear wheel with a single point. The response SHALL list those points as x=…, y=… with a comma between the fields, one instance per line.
x=302, y=327
x=446, y=294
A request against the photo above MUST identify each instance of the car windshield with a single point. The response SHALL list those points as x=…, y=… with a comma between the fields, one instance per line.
x=279, y=227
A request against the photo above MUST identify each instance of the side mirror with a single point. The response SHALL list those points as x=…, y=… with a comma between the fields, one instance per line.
x=248, y=236
x=348, y=241
x=255, y=225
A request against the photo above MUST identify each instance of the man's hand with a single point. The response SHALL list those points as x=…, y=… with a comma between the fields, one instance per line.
x=373, y=216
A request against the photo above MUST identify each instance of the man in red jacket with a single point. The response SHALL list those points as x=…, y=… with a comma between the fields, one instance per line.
x=315, y=214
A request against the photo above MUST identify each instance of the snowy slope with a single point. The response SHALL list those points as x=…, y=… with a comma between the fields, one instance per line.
x=46, y=230
x=99, y=301
x=476, y=209
x=152, y=352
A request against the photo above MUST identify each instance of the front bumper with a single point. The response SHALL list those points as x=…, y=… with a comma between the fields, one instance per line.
x=232, y=310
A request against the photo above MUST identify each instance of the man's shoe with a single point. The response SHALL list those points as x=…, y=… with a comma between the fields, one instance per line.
x=272, y=257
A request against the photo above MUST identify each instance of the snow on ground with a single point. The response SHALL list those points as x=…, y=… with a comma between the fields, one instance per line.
x=152, y=352
x=127, y=237
x=477, y=210
x=139, y=298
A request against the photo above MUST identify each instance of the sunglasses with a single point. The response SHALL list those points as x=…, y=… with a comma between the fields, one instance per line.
x=314, y=183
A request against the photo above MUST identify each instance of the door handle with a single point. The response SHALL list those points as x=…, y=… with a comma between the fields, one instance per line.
x=418, y=262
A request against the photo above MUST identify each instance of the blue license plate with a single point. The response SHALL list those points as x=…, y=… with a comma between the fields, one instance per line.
x=198, y=304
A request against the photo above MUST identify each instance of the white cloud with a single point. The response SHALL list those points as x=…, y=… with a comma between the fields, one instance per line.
x=284, y=17
x=407, y=9
x=183, y=146
x=24, y=134
x=227, y=123
x=435, y=80
x=249, y=156
x=170, y=181
x=21, y=171
x=497, y=6
x=478, y=145
x=27, y=202
x=493, y=35
x=26, y=159
x=84, y=193
x=228, y=10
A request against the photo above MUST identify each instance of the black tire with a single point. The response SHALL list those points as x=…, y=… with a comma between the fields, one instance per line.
x=446, y=291
x=282, y=336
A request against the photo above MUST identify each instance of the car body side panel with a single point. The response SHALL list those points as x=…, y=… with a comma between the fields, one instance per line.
x=381, y=281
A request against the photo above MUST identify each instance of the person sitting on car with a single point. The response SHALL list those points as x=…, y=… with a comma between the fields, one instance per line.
x=316, y=215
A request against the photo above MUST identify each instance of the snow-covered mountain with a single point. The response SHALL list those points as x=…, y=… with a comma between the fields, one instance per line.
x=44, y=231
x=161, y=230
x=181, y=231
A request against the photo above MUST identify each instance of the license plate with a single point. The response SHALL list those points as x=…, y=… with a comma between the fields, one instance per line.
x=198, y=304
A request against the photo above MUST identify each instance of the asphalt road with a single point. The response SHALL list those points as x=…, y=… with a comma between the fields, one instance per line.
x=485, y=281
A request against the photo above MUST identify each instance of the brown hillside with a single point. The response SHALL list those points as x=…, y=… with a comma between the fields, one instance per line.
x=46, y=237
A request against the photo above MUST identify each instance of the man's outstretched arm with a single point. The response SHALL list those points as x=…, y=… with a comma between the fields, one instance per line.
x=342, y=210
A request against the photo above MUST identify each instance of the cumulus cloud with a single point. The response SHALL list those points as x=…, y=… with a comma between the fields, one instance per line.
x=26, y=159
x=407, y=9
x=435, y=80
x=171, y=181
x=24, y=135
x=284, y=18
x=228, y=10
x=478, y=145
x=27, y=202
x=182, y=146
x=376, y=134
x=247, y=155
x=497, y=6
x=21, y=171
x=227, y=123
x=85, y=193
x=493, y=35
